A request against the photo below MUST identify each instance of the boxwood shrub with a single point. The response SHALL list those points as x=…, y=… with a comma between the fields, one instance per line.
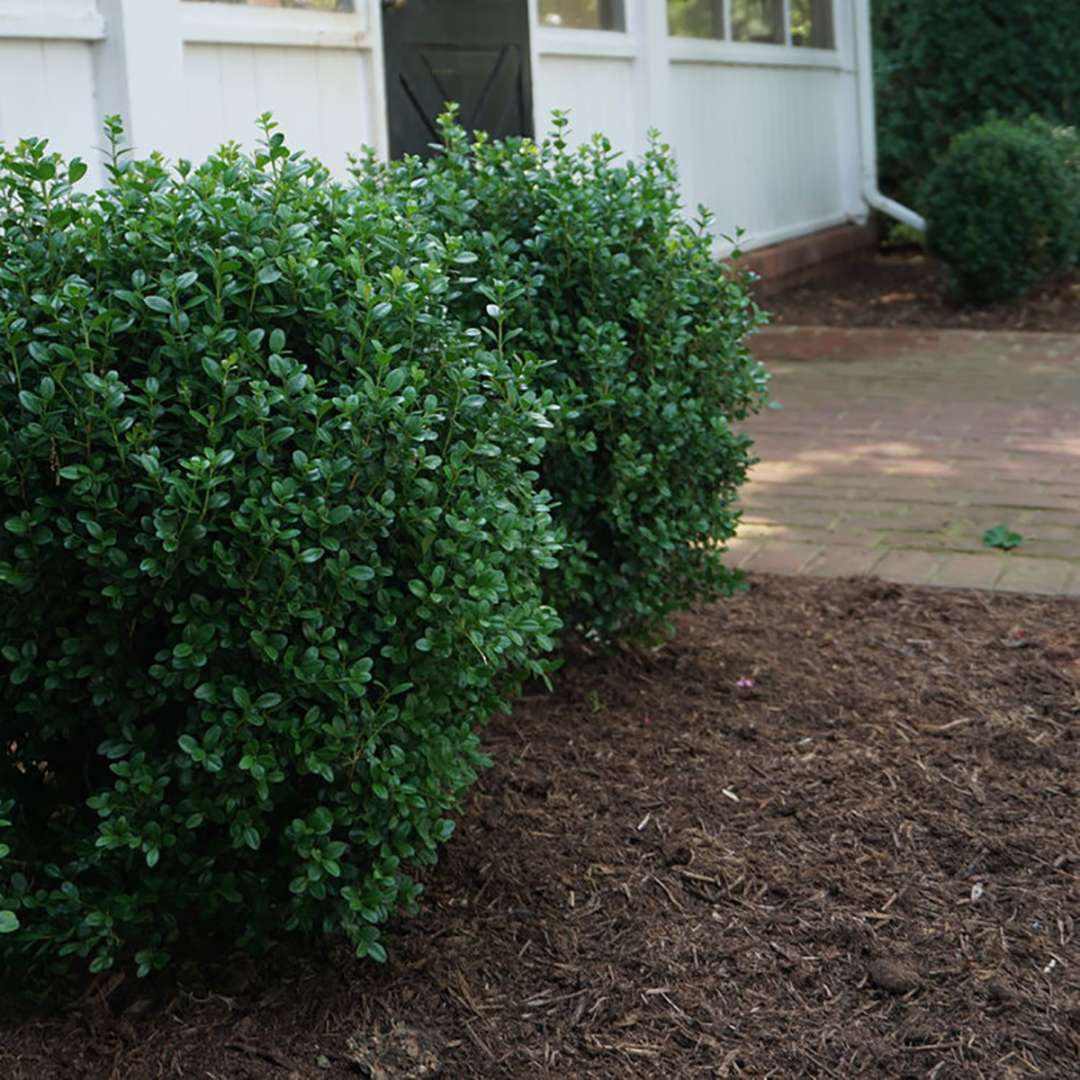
x=1003, y=208
x=589, y=264
x=270, y=542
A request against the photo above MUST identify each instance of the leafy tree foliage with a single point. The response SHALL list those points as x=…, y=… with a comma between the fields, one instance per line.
x=944, y=68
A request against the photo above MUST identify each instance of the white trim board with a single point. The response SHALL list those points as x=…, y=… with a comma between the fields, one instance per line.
x=606, y=44
x=207, y=23
x=751, y=242
x=85, y=27
x=699, y=51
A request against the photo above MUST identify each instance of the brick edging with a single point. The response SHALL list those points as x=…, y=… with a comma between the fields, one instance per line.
x=804, y=258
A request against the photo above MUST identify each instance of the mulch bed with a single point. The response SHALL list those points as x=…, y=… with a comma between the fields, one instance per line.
x=904, y=289
x=829, y=830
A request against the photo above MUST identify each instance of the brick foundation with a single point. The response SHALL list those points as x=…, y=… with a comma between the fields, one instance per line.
x=806, y=258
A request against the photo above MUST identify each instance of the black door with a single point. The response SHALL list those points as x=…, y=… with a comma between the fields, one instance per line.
x=474, y=52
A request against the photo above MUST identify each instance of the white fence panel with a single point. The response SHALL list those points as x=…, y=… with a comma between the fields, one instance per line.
x=47, y=89
x=47, y=74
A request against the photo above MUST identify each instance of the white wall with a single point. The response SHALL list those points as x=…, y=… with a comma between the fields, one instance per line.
x=764, y=135
x=320, y=74
x=321, y=97
x=770, y=162
x=46, y=73
x=189, y=76
x=597, y=91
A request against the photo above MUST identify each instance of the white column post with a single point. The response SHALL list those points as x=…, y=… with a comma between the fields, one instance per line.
x=650, y=28
x=380, y=115
x=139, y=69
x=540, y=123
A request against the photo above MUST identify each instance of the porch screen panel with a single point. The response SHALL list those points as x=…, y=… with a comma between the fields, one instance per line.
x=696, y=18
x=758, y=20
x=583, y=14
x=812, y=24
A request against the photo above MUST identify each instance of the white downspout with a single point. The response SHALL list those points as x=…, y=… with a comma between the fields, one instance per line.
x=864, y=73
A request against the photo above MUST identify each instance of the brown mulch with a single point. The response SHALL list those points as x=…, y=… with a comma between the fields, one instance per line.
x=829, y=830
x=904, y=289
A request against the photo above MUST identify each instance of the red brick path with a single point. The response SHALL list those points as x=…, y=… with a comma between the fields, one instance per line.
x=895, y=450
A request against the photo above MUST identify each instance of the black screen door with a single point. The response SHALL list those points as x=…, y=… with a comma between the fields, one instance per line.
x=474, y=52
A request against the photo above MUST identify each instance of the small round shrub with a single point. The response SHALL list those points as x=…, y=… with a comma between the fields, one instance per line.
x=589, y=265
x=270, y=548
x=1003, y=209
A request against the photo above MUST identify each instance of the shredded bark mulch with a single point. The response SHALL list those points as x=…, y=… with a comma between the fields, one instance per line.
x=905, y=289
x=829, y=830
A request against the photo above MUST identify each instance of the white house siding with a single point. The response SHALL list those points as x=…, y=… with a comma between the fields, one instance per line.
x=771, y=163
x=321, y=97
x=46, y=87
x=598, y=91
x=764, y=135
x=319, y=74
x=47, y=74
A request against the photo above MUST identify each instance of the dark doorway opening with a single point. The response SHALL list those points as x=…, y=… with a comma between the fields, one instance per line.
x=474, y=52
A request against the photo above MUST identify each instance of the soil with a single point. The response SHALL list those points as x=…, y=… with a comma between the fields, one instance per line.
x=904, y=289
x=829, y=830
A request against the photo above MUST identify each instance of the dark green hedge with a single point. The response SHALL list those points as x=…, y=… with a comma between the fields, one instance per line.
x=279, y=465
x=944, y=67
x=641, y=334
x=270, y=546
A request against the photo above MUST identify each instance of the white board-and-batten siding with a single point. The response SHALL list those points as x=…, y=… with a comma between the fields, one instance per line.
x=765, y=136
x=47, y=73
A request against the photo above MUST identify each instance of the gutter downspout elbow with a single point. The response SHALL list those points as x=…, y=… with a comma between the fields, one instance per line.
x=897, y=211
x=864, y=71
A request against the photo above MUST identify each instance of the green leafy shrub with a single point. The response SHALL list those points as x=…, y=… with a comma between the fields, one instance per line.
x=641, y=336
x=270, y=547
x=942, y=68
x=1066, y=139
x=1003, y=209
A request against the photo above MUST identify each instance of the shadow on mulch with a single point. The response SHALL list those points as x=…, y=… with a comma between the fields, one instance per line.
x=904, y=289
x=866, y=863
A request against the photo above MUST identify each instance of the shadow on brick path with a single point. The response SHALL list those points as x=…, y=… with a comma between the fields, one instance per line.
x=894, y=451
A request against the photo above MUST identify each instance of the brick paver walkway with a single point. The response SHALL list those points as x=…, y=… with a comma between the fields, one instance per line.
x=895, y=450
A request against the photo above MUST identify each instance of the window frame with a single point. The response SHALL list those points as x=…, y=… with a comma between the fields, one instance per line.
x=596, y=44
x=814, y=55
x=618, y=7
x=725, y=24
x=279, y=5
x=207, y=22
